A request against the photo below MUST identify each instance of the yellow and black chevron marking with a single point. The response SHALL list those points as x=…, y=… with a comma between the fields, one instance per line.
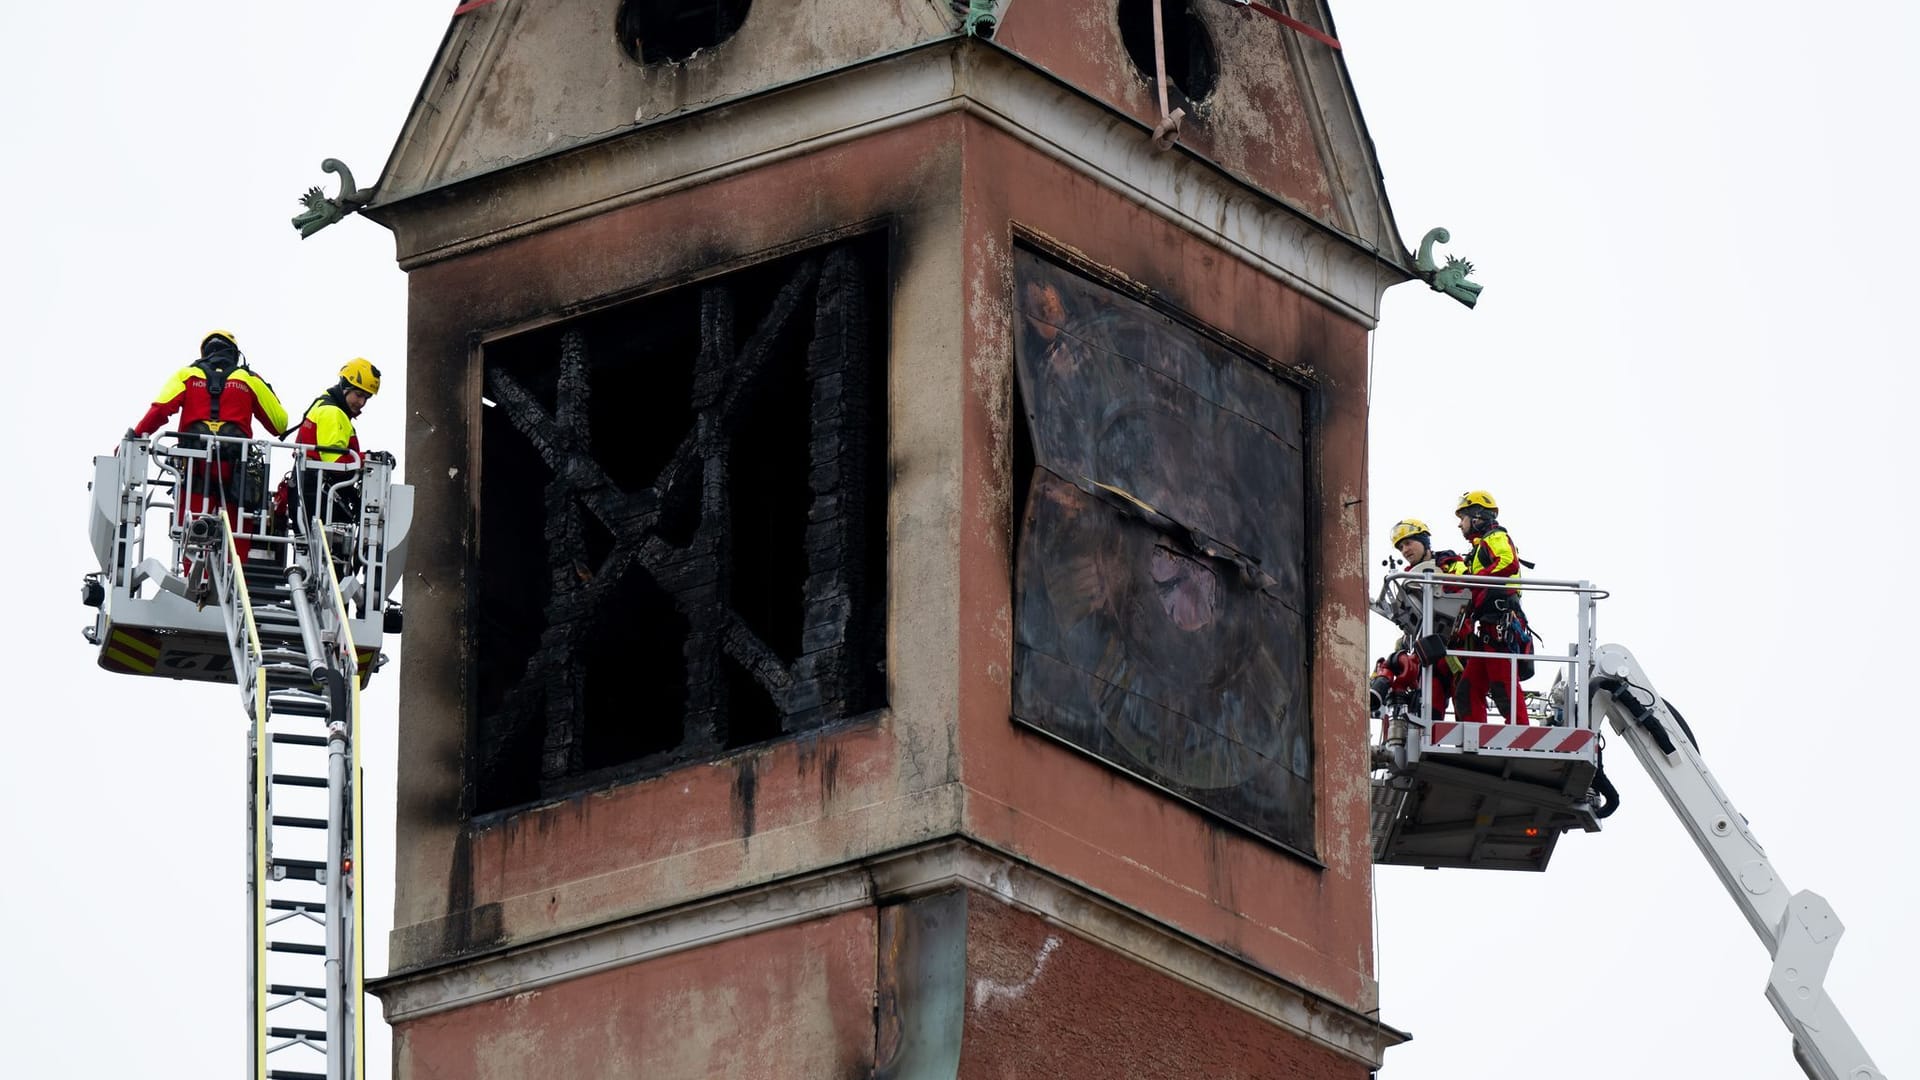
x=131, y=651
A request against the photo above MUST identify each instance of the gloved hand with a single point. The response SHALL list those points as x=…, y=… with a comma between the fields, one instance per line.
x=1430, y=649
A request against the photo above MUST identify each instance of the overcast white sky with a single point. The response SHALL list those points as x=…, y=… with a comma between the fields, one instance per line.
x=1687, y=381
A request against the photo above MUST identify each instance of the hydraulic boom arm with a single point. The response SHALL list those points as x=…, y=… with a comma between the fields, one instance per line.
x=1799, y=929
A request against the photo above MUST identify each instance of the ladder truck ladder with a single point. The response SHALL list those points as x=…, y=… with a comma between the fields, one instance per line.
x=294, y=661
x=1799, y=929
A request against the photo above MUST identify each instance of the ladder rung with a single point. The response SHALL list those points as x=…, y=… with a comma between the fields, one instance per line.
x=292, y=822
x=298, y=697
x=297, y=707
x=296, y=947
x=300, y=781
x=300, y=869
x=288, y=990
x=314, y=906
x=287, y=738
x=283, y=1074
x=296, y=1033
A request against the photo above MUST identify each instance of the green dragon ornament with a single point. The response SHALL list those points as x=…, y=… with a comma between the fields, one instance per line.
x=321, y=211
x=982, y=18
x=1451, y=278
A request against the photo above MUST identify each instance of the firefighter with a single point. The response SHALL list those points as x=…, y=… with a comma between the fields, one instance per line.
x=1400, y=672
x=327, y=429
x=1494, y=621
x=217, y=395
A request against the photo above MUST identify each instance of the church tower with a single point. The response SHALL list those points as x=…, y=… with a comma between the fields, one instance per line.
x=886, y=596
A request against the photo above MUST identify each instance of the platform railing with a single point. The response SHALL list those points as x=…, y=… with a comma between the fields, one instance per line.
x=213, y=473
x=1566, y=704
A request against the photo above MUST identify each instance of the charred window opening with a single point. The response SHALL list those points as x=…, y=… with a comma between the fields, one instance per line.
x=682, y=526
x=669, y=31
x=1160, y=553
x=1191, y=69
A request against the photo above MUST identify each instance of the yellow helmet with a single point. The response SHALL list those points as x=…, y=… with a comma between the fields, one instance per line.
x=361, y=375
x=1409, y=527
x=1481, y=499
x=226, y=335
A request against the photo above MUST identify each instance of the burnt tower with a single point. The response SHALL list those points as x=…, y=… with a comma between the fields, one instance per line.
x=886, y=596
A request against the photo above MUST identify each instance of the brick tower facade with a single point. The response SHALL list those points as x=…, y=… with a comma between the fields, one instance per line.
x=886, y=597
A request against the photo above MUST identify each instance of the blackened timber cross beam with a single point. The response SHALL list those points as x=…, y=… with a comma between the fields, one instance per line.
x=810, y=688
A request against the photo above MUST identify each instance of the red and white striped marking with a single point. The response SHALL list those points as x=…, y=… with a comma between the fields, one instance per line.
x=1557, y=740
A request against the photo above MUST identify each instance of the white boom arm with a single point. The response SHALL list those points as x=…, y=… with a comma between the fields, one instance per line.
x=1799, y=929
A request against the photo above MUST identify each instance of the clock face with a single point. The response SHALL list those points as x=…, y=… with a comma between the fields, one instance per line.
x=1160, y=570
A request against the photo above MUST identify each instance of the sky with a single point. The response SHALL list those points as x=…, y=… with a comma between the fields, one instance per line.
x=1685, y=381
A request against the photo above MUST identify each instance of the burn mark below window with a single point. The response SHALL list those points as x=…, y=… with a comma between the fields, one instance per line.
x=682, y=526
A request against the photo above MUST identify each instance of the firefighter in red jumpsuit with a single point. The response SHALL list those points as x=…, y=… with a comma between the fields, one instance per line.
x=1400, y=672
x=1494, y=622
x=327, y=427
x=215, y=395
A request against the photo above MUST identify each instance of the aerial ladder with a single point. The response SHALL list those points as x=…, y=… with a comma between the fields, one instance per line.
x=295, y=624
x=1498, y=796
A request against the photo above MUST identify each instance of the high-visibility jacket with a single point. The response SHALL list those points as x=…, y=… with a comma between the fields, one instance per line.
x=328, y=428
x=1493, y=555
x=210, y=402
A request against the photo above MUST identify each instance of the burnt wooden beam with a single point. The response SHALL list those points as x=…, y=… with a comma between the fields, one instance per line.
x=815, y=315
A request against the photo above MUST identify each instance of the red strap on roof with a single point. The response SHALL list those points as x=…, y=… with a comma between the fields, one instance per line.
x=1284, y=20
x=470, y=5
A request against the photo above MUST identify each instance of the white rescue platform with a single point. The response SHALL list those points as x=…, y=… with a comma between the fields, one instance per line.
x=153, y=621
x=1489, y=796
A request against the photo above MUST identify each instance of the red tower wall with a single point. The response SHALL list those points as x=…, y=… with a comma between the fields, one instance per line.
x=931, y=882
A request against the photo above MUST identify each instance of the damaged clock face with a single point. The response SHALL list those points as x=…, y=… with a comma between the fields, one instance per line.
x=1160, y=567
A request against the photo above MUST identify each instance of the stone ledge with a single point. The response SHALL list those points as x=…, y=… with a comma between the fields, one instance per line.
x=881, y=880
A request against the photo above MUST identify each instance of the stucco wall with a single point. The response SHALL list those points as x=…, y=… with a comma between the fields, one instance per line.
x=952, y=983
x=1259, y=121
x=1044, y=1003
x=1050, y=804
x=759, y=813
x=518, y=80
x=796, y=1001
x=889, y=781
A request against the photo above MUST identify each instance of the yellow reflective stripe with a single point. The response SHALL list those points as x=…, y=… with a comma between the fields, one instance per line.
x=357, y=989
x=121, y=637
x=130, y=662
x=270, y=406
x=176, y=385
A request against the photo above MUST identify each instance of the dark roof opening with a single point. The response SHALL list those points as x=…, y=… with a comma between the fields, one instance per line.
x=670, y=31
x=1191, y=69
